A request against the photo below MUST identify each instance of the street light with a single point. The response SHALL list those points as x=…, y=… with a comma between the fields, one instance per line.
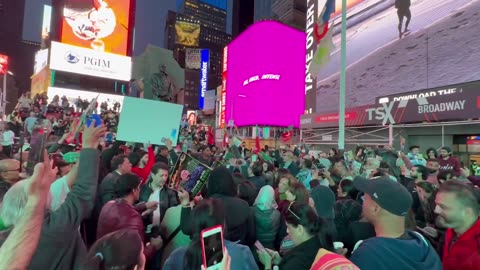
x=231, y=122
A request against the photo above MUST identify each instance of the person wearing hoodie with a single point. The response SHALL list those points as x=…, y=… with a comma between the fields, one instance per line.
x=324, y=205
x=386, y=205
x=239, y=218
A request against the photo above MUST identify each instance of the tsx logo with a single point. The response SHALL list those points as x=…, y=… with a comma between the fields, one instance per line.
x=72, y=57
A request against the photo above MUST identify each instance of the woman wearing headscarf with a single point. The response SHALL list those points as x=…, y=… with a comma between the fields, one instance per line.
x=267, y=217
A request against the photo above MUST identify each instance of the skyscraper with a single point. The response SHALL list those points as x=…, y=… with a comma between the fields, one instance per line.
x=208, y=15
x=211, y=20
x=263, y=10
x=291, y=12
x=242, y=16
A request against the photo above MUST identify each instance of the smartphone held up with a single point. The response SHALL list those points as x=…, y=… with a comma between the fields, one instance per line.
x=212, y=247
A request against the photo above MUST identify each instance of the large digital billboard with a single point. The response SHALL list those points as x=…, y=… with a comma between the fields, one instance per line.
x=204, y=68
x=187, y=34
x=79, y=60
x=436, y=45
x=264, y=76
x=102, y=25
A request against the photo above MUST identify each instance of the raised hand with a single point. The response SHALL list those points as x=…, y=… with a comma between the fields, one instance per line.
x=43, y=176
x=92, y=135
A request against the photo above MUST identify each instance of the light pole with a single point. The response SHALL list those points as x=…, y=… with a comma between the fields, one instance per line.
x=231, y=122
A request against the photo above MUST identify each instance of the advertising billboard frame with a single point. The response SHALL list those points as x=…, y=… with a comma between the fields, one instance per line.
x=442, y=104
x=263, y=66
x=79, y=60
x=204, y=71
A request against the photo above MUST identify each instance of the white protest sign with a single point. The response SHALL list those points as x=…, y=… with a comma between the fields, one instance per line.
x=144, y=121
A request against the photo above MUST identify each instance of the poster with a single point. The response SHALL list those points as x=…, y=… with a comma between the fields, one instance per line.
x=190, y=174
x=187, y=34
x=192, y=58
x=149, y=121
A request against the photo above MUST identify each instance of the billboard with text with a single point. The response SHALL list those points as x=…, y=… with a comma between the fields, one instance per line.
x=454, y=102
x=79, y=60
x=264, y=76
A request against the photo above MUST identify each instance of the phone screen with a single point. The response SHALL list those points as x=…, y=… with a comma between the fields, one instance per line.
x=37, y=146
x=212, y=247
x=254, y=158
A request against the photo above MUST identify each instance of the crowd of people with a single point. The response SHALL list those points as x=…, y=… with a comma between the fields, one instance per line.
x=95, y=202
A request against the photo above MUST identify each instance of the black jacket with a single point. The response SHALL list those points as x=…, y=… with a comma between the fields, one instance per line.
x=239, y=218
x=168, y=197
x=302, y=256
x=106, y=190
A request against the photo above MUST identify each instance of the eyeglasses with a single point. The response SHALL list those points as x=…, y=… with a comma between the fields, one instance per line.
x=291, y=212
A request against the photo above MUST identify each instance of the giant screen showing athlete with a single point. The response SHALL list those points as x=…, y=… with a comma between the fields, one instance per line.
x=400, y=46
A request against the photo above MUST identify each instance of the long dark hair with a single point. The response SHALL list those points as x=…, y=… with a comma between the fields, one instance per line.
x=300, y=192
x=119, y=250
x=208, y=213
x=303, y=214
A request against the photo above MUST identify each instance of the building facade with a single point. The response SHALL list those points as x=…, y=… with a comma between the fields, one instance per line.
x=212, y=22
x=263, y=10
x=242, y=15
x=291, y=12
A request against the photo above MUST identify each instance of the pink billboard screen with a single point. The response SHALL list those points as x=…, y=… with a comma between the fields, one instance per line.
x=265, y=76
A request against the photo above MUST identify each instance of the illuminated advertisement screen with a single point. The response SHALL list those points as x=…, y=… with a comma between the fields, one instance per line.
x=102, y=25
x=187, y=34
x=437, y=48
x=265, y=76
x=204, y=66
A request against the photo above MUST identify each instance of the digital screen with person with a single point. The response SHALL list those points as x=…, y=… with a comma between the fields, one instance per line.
x=101, y=25
x=427, y=42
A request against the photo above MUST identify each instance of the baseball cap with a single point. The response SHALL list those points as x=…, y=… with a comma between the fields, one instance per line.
x=388, y=194
x=71, y=157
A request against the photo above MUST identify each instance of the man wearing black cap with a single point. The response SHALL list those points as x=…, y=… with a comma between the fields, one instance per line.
x=385, y=206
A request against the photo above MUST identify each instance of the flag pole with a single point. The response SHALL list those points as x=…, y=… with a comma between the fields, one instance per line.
x=341, y=99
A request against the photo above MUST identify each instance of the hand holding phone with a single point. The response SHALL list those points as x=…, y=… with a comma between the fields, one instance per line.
x=212, y=247
x=89, y=119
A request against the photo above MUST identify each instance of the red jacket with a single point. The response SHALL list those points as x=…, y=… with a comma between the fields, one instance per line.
x=145, y=171
x=465, y=252
x=117, y=215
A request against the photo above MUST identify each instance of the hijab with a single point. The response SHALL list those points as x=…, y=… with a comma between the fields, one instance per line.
x=266, y=199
